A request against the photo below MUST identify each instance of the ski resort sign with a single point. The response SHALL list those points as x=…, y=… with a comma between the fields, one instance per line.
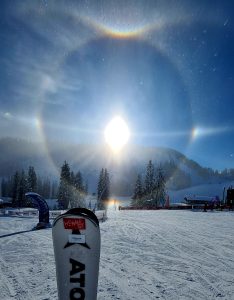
x=76, y=240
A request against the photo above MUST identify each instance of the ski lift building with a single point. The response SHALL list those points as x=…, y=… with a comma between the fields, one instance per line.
x=201, y=200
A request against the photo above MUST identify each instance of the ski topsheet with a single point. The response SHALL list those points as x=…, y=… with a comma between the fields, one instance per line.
x=76, y=240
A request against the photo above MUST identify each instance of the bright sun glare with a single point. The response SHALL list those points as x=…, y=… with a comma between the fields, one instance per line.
x=117, y=133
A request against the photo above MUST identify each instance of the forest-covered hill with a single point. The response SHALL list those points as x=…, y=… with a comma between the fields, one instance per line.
x=47, y=159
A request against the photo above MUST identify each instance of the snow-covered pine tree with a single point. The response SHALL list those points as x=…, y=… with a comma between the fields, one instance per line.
x=149, y=180
x=6, y=187
x=106, y=193
x=9, y=187
x=15, y=189
x=32, y=180
x=72, y=182
x=159, y=192
x=3, y=188
x=100, y=188
x=46, y=188
x=64, y=192
x=23, y=188
x=78, y=199
x=86, y=189
x=103, y=190
x=54, y=189
x=137, y=194
x=78, y=181
x=39, y=186
x=72, y=178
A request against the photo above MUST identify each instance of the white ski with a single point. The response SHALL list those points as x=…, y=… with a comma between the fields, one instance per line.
x=76, y=239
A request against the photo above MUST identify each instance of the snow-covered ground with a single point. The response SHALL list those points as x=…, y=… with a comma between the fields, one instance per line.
x=144, y=255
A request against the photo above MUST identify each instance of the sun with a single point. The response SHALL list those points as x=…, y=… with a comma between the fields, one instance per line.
x=117, y=134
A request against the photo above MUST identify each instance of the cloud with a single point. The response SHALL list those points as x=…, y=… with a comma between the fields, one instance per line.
x=60, y=24
x=49, y=34
x=48, y=84
x=7, y=115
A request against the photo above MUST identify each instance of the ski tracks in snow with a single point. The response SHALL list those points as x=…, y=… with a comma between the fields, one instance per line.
x=27, y=266
x=145, y=255
x=166, y=255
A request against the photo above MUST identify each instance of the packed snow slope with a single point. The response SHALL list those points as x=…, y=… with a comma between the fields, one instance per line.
x=144, y=255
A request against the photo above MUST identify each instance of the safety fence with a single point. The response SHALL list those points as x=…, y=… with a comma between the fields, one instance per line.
x=101, y=214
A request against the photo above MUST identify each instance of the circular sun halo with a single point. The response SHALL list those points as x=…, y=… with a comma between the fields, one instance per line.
x=117, y=134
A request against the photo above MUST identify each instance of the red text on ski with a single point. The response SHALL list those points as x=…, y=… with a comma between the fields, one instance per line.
x=75, y=224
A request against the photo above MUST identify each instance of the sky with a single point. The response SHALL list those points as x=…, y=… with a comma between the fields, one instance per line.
x=165, y=67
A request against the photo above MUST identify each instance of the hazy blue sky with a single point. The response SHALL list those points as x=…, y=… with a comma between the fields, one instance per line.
x=68, y=67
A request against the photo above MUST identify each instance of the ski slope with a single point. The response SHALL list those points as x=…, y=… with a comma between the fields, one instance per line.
x=210, y=190
x=144, y=255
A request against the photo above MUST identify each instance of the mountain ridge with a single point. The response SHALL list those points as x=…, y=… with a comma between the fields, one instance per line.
x=47, y=159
